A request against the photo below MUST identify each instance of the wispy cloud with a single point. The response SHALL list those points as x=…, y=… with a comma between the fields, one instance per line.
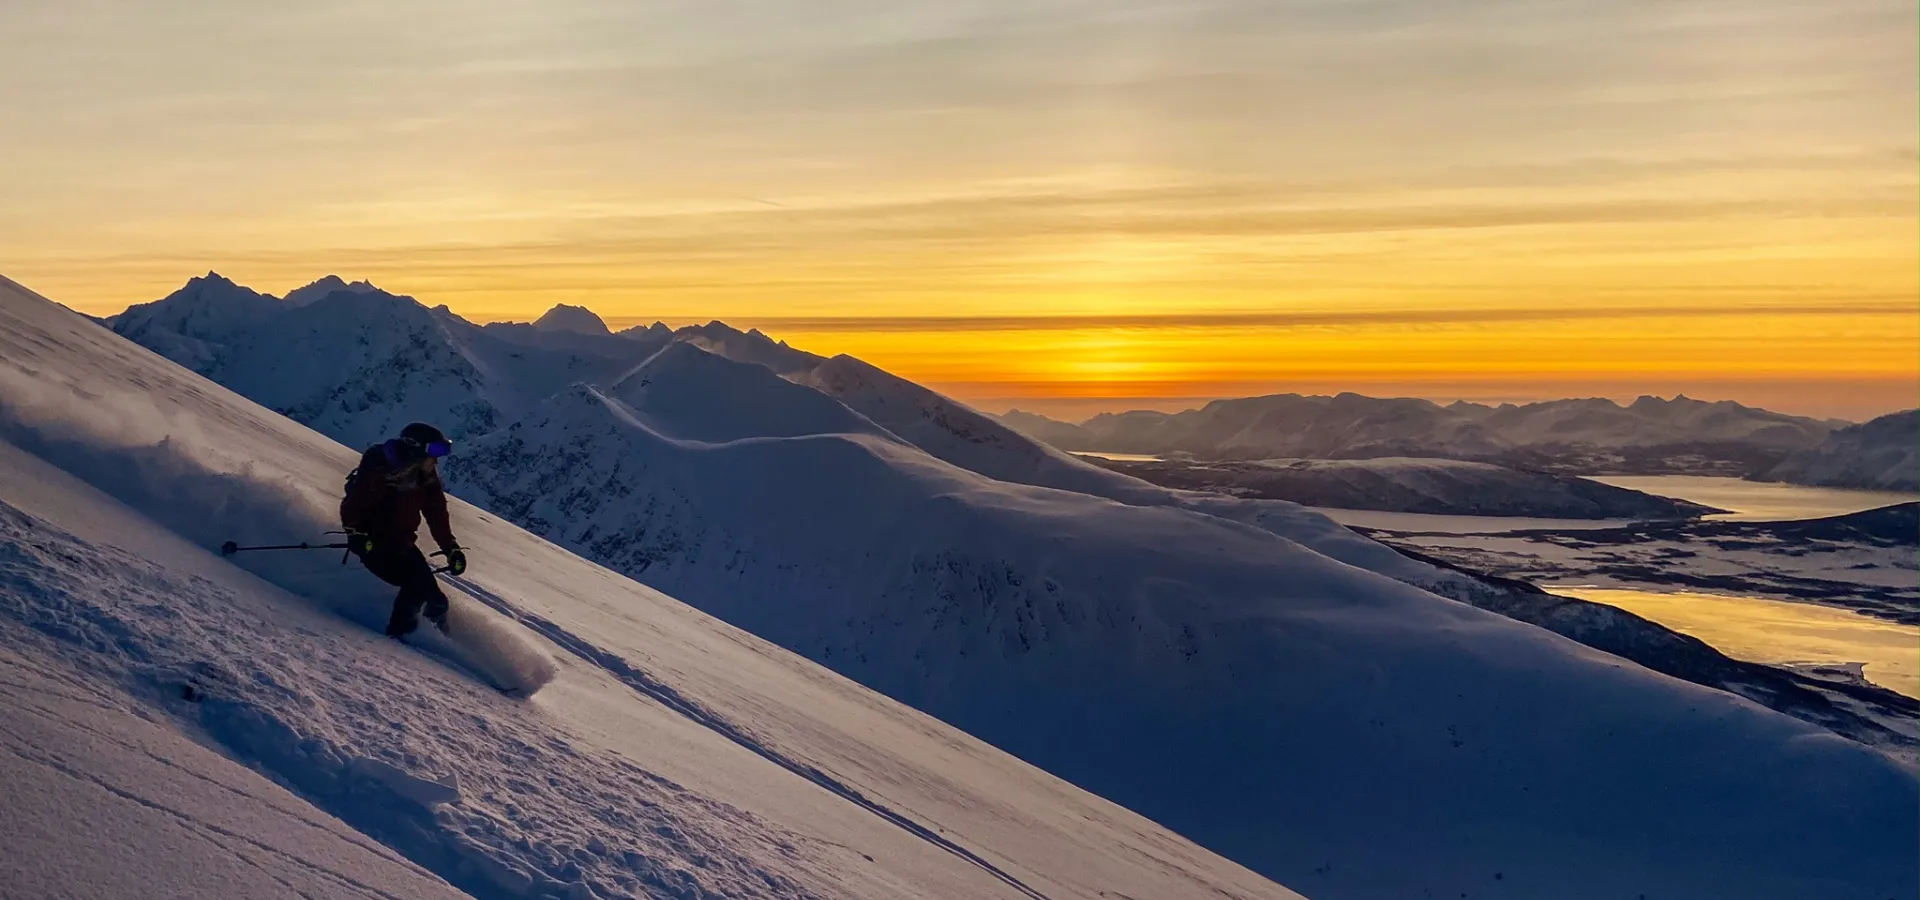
x=1891, y=307
x=1394, y=167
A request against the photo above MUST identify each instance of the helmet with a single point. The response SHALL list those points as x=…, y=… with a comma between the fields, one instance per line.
x=426, y=439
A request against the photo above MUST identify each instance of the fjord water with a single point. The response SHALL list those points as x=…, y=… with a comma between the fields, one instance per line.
x=1778, y=631
x=1757, y=501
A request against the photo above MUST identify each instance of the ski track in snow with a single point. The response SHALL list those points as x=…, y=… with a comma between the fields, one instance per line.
x=157, y=820
x=653, y=688
x=360, y=737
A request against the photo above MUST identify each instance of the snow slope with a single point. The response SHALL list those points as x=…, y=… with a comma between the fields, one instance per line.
x=953, y=432
x=670, y=756
x=698, y=396
x=102, y=802
x=1349, y=734
x=957, y=434
x=1883, y=455
x=1167, y=658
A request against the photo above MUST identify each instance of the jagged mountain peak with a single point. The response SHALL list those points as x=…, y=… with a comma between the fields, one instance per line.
x=308, y=293
x=189, y=323
x=749, y=346
x=656, y=331
x=212, y=283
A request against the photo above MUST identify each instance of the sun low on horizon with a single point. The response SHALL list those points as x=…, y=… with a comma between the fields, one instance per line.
x=1068, y=207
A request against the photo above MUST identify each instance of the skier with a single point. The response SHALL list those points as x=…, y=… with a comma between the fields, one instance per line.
x=396, y=484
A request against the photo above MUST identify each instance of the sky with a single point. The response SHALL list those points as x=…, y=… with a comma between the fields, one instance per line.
x=1059, y=205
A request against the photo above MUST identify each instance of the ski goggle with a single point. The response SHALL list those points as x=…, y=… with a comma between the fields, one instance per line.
x=433, y=449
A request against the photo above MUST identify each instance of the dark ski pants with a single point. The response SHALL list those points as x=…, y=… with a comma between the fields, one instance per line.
x=404, y=566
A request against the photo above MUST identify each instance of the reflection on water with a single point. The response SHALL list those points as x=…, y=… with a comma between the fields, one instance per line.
x=1118, y=457
x=1774, y=631
x=1754, y=500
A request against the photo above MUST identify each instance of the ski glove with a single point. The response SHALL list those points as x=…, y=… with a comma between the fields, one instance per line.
x=456, y=561
x=359, y=543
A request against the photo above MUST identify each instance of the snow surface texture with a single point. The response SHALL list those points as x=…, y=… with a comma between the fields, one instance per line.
x=1882, y=455
x=1398, y=484
x=1650, y=435
x=957, y=434
x=670, y=756
x=1158, y=652
x=1115, y=645
x=103, y=802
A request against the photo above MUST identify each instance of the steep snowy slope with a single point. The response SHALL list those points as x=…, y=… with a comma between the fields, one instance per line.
x=971, y=440
x=1343, y=732
x=694, y=395
x=732, y=532
x=957, y=434
x=1883, y=455
x=673, y=756
x=103, y=803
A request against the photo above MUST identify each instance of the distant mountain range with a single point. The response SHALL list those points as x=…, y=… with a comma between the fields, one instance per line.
x=1580, y=437
x=1432, y=486
x=1306, y=701
x=1880, y=454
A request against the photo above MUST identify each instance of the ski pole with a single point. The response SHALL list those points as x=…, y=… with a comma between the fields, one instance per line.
x=230, y=548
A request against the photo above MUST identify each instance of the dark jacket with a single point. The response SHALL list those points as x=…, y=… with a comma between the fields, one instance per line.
x=388, y=505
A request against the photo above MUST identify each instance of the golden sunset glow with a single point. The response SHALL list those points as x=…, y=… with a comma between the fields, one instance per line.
x=1065, y=206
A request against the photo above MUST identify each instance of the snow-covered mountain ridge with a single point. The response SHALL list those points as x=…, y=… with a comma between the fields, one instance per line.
x=200, y=726
x=358, y=363
x=1118, y=632
x=1069, y=630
